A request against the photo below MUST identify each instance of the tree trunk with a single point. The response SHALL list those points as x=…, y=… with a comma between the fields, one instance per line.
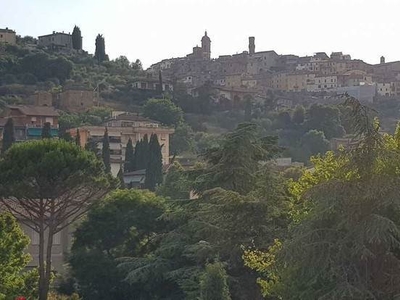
x=46, y=285
x=42, y=273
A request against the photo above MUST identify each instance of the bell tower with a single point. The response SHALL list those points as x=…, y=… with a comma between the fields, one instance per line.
x=206, y=46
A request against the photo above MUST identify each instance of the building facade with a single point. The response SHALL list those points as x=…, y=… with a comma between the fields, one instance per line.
x=56, y=40
x=121, y=128
x=8, y=36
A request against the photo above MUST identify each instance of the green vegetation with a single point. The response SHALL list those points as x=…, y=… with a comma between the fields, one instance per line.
x=47, y=185
x=163, y=110
x=105, y=152
x=8, y=135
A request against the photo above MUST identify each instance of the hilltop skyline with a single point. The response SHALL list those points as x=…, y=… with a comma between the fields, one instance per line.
x=139, y=31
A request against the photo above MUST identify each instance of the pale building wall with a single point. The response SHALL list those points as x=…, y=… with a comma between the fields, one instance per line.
x=8, y=36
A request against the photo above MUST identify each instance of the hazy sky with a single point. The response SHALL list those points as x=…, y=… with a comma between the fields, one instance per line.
x=152, y=30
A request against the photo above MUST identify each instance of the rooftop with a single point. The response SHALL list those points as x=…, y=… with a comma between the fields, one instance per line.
x=132, y=117
x=32, y=110
x=7, y=30
x=54, y=33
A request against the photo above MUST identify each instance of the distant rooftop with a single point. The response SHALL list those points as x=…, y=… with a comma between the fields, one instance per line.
x=7, y=30
x=54, y=33
x=32, y=110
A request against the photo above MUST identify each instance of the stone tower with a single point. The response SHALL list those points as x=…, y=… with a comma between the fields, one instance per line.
x=206, y=46
x=382, y=60
x=252, y=45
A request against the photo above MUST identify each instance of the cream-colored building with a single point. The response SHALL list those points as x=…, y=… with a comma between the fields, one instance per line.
x=8, y=36
x=56, y=40
x=323, y=83
x=121, y=128
x=279, y=82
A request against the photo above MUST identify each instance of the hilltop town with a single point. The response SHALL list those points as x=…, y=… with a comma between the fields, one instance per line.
x=198, y=170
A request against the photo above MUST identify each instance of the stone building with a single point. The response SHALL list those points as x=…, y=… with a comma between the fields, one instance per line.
x=8, y=36
x=56, y=40
x=76, y=100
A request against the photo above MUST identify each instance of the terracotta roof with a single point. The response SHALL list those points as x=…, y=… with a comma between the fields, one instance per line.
x=31, y=110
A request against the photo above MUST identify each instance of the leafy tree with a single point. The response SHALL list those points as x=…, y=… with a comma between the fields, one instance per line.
x=284, y=120
x=343, y=242
x=120, y=177
x=46, y=131
x=129, y=157
x=163, y=110
x=177, y=183
x=213, y=284
x=8, y=135
x=47, y=185
x=13, y=258
x=325, y=119
x=182, y=139
x=233, y=164
x=100, y=52
x=298, y=115
x=125, y=223
x=314, y=142
x=77, y=38
x=154, y=165
x=78, y=138
x=105, y=152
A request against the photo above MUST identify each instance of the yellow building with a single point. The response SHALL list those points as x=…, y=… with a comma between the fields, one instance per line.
x=121, y=128
x=8, y=36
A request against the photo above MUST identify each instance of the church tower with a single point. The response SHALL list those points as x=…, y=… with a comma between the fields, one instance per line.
x=206, y=46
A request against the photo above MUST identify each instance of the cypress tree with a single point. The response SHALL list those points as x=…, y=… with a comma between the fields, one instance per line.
x=160, y=83
x=78, y=138
x=100, y=53
x=8, y=135
x=129, y=157
x=105, y=152
x=154, y=165
x=120, y=177
x=145, y=151
x=46, y=131
x=77, y=38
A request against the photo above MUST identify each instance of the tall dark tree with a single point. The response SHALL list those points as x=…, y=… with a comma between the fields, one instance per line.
x=100, y=53
x=141, y=156
x=160, y=83
x=78, y=138
x=129, y=157
x=8, y=135
x=247, y=109
x=120, y=177
x=46, y=131
x=77, y=38
x=105, y=152
x=154, y=164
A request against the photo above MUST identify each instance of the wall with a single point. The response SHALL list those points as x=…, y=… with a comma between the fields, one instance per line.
x=77, y=100
x=7, y=36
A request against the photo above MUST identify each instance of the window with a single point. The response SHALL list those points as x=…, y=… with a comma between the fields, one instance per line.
x=49, y=120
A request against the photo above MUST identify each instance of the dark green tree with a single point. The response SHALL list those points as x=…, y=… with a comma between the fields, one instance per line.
x=213, y=283
x=182, y=139
x=154, y=175
x=125, y=223
x=8, y=135
x=129, y=157
x=177, y=183
x=77, y=38
x=298, y=115
x=78, y=138
x=46, y=131
x=105, y=152
x=326, y=119
x=160, y=83
x=163, y=110
x=141, y=156
x=47, y=185
x=120, y=177
x=100, y=52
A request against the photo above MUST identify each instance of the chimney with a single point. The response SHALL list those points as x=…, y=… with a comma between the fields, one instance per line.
x=252, y=45
x=382, y=60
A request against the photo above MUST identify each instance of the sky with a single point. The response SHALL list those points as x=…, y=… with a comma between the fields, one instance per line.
x=152, y=30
